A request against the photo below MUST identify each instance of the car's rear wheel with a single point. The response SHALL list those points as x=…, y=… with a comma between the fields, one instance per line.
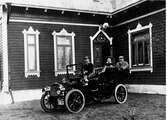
x=74, y=101
x=46, y=105
x=120, y=94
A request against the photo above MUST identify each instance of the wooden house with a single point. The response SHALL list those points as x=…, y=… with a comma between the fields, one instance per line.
x=38, y=39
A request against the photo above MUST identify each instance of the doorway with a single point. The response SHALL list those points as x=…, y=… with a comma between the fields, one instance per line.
x=101, y=48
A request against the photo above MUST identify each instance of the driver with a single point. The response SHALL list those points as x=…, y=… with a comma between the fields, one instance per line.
x=88, y=69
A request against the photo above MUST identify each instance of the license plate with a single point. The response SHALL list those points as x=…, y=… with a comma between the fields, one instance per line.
x=60, y=102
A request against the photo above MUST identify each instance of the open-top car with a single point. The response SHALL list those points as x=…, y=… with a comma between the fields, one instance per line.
x=73, y=91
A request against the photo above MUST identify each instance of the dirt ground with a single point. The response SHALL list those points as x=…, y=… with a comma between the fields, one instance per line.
x=137, y=107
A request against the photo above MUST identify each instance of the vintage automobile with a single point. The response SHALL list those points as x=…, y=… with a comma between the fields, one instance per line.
x=73, y=91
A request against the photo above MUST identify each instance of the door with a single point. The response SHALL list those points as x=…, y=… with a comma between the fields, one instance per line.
x=98, y=55
x=101, y=52
x=101, y=49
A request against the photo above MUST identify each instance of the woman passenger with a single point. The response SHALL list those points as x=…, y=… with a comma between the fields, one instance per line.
x=107, y=70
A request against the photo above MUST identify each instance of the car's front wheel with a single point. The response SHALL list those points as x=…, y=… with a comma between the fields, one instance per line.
x=46, y=105
x=120, y=94
x=74, y=101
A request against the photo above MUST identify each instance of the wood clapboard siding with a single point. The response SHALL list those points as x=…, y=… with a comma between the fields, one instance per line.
x=46, y=52
x=120, y=44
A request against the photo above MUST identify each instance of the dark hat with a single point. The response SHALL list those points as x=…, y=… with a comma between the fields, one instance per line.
x=86, y=57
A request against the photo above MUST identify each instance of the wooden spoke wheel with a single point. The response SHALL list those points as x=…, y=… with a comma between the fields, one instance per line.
x=45, y=103
x=120, y=94
x=74, y=101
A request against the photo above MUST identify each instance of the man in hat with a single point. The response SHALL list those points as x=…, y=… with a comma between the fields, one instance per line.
x=88, y=66
x=88, y=69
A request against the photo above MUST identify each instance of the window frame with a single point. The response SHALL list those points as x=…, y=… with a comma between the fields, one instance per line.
x=63, y=32
x=138, y=29
x=35, y=33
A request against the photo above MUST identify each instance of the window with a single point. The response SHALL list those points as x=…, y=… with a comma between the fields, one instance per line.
x=63, y=51
x=31, y=52
x=140, y=48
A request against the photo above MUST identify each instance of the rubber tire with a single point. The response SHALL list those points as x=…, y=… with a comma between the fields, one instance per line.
x=43, y=104
x=67, y=97
x=115, y=94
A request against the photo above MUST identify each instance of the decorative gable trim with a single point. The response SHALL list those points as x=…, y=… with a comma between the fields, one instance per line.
x=139, y=27
x=63, y=32
x=98, y=32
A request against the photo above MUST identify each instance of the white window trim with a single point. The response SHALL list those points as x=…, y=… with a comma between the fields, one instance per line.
x=137, y=29
x=36, y=33
x=93, y=38
x=63, y=32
